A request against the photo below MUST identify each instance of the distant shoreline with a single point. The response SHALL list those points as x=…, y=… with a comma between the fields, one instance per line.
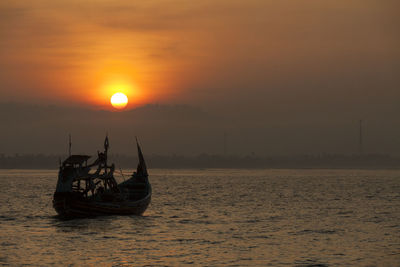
x=327, y=168
x=206, y=161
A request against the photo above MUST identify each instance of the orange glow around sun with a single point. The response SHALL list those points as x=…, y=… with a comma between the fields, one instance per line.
x=119, y=100
x=108, y=77
x=118, y=91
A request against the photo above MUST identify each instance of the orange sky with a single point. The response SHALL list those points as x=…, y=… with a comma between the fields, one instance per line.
x=81, y=52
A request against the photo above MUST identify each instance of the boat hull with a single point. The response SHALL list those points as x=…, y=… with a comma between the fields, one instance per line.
x=71, y=205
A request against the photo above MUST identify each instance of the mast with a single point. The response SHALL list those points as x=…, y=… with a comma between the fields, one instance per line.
x=106, y=145
x=70, y=145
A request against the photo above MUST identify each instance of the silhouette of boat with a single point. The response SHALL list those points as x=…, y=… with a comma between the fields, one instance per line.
x=85, y=190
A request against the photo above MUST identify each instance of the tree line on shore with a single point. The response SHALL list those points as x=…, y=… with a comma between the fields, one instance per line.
x=41, y=161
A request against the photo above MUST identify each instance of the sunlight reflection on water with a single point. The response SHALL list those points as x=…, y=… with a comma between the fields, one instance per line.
x=214, y=217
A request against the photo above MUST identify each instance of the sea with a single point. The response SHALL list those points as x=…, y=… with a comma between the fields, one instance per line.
x=213, y=217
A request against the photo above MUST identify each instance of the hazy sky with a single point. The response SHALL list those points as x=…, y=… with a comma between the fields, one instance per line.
x=258, y=62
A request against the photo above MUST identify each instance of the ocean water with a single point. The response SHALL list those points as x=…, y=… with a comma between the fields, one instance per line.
x=213, y=218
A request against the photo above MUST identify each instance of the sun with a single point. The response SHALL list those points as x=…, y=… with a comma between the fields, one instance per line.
x=119, y=100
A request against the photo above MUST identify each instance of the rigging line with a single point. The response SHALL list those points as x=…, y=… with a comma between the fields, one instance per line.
x=120, y=170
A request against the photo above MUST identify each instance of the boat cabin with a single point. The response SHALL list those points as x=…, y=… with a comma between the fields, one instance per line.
x=76, y=161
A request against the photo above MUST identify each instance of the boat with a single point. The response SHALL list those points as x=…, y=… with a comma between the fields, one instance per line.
x=86, y=190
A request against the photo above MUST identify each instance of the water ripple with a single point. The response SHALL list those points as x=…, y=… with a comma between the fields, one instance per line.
x=213, y=218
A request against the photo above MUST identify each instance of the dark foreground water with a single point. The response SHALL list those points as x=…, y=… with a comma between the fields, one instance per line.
x=214, y=217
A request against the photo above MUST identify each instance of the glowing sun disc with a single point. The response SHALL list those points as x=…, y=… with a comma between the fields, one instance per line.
x=119, y=100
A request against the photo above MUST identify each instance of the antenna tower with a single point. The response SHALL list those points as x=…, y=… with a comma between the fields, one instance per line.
x=225, y=143
x=360, y=140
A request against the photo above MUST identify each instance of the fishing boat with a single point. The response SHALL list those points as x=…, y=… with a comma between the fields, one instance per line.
x=85, y=190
